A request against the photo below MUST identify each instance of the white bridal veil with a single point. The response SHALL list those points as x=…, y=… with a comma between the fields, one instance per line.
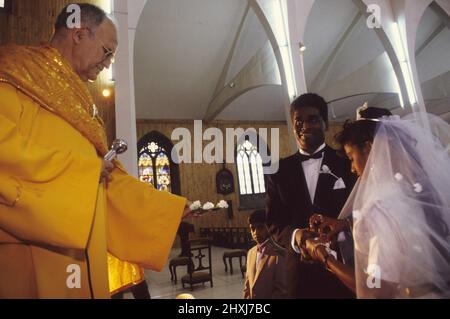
x=401, y=212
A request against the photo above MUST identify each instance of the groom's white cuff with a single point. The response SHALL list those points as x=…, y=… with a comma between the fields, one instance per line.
x=294, y=246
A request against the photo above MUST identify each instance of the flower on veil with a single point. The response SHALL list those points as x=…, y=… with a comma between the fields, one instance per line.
x=418, y=188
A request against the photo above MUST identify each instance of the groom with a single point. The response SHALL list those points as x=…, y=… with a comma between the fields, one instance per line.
x=313, y=180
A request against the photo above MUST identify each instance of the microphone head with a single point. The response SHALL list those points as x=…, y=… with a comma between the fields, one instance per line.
x=119, y=146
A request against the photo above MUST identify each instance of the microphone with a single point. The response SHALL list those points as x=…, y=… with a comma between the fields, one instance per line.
x=118, y=147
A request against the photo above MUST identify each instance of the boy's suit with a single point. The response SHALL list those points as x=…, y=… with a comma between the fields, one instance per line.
x=268, y=279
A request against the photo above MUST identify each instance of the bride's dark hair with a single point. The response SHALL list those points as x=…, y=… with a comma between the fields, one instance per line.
x=356, y=134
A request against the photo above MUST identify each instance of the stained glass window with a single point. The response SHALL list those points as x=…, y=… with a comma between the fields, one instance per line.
x=250, y=169
x=154, y=167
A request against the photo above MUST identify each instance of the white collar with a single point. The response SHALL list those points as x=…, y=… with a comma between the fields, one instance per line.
x=264, y=243
x=317, y=151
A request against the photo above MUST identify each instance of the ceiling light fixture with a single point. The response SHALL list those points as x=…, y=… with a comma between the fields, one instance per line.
x=301, y=47
x=106, y=93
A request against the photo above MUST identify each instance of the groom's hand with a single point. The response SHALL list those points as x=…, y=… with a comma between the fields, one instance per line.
x=301, y=237
x=316, y=248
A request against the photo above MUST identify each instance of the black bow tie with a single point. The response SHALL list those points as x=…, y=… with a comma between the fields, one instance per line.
x=317, y=155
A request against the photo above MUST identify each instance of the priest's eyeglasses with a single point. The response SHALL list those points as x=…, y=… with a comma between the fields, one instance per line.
x=108, y=53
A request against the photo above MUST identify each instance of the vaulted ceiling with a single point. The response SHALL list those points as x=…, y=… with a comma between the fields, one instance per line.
x=186, y=49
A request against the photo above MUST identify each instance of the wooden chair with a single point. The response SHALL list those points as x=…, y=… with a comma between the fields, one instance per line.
x=176, y=262
x=216, y=236
x=235, y=238
x=241, y=238
x=199, y=270
x=229, y=255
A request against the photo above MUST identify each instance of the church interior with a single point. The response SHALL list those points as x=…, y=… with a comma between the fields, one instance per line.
x=194, y=66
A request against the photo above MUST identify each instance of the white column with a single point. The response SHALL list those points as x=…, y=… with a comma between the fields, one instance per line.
x=124, y=88
x=406, y=14
x=298, y=13
x=413, y=11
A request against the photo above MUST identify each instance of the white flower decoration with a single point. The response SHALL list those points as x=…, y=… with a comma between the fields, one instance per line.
x=398, y=177
x=418, y=188
x=222, y=204
x=208, y=206
x=195, y=205
x=326, y=170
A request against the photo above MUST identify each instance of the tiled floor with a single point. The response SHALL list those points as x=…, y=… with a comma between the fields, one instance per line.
x=226, y=286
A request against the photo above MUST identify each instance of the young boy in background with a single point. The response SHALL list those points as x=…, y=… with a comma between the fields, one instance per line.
x=266, y=266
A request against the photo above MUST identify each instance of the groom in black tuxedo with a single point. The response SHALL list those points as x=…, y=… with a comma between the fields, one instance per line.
x=314, y=180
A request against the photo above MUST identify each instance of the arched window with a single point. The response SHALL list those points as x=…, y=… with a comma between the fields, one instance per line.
x=155, y=164
x=250, y=168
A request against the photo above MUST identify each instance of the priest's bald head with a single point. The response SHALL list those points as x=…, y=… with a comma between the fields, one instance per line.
x=87, y=38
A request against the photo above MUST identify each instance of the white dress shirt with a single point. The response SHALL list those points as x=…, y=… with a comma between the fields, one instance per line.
x=311, y=169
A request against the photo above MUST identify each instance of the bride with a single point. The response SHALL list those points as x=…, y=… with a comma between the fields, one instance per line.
x=400, y=209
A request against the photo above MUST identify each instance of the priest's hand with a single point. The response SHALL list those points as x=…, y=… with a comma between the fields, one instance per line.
x=188, y=213
x=107, y=168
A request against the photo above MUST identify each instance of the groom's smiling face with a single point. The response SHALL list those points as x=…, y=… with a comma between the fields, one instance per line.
x=309, y=128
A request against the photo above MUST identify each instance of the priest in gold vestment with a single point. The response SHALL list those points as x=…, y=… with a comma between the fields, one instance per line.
x=63, y=210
